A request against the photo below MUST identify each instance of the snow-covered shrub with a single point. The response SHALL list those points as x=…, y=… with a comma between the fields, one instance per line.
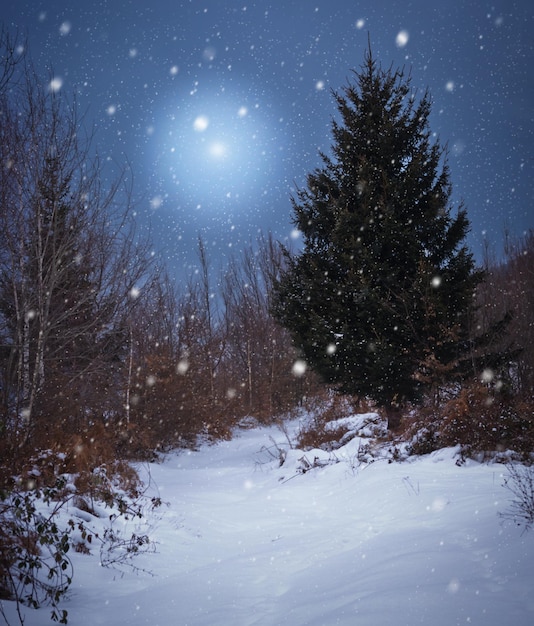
x=110, y=500
x=480, y=419
x=40, y=524
x=105, y=482
x=35, y=569
x=325, y=427
x=315, y=434
x=422, y=433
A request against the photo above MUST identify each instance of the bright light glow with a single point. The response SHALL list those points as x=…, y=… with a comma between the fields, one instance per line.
x=217, y=150
x=214, y=149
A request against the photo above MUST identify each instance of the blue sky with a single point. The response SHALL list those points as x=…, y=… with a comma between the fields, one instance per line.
x=220, y=108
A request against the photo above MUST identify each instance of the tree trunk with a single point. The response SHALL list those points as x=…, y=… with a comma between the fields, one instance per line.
x=394, y=416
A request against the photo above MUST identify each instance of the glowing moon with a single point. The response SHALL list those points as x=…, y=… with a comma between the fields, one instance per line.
x=214, y=149
x=217, y=150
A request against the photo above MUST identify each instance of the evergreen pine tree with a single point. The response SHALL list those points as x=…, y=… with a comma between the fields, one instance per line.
x=380, y=299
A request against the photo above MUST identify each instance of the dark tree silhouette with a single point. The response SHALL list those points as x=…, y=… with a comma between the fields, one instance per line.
x=380, y=298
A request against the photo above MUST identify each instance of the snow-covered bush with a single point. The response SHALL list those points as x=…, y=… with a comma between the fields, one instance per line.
x=41, y=525
x=331, y=424
x=35, y=569
x=481, y=419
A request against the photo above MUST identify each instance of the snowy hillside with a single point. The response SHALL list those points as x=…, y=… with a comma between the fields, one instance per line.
x=243, y=540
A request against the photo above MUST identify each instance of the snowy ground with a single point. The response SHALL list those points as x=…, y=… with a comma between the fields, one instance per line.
x=242, y=541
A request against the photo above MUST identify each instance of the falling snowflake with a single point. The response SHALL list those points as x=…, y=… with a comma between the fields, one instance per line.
x=55, y=84
x=65, y=28
x=156, y=202
x=209, y=54
x=299, y=367
x=182, y=367
x=402, y=38
x=201, y=123
x=453, y=586
x=487, y=375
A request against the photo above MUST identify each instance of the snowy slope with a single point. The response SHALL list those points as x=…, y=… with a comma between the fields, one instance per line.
x=242, y=541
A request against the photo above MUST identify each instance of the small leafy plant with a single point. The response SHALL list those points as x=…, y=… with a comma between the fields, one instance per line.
x=36, y=535
x=35, y=568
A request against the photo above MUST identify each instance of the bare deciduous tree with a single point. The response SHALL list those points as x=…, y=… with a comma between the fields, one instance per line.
x=71, y=265
x=259, y=350
x=510, y=288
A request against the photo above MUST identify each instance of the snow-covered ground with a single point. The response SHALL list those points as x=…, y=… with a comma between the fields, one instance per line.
x=242, y=541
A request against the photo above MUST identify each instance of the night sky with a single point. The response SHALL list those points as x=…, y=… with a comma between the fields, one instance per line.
x=220, y=107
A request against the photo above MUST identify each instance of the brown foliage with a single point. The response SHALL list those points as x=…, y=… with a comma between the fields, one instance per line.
x=484, y=420
x=87, y=455
x=481, y=419
x=11, y=544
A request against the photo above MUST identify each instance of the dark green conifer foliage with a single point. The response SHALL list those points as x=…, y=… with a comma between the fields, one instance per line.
x=380, y=299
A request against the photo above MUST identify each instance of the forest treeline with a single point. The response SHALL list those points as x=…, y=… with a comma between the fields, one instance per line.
x=101, y=352
x=104, y=356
